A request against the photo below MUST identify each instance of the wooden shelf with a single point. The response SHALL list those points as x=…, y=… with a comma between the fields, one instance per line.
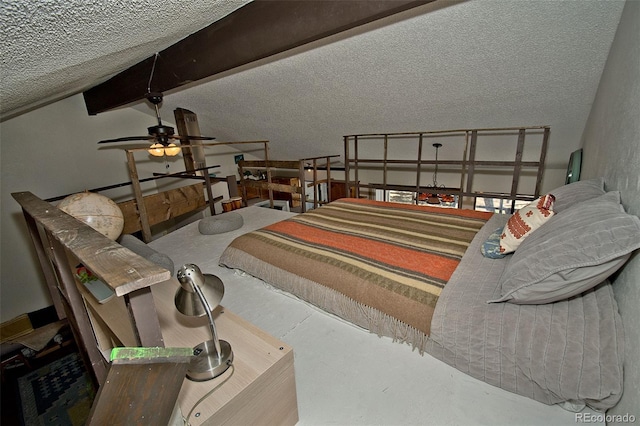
x=262, y=387
x=61, y=242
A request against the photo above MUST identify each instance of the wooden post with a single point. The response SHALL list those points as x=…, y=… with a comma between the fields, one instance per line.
x=242, y=181
x=346, y=167
x=207, y=184
x=328, y=159
x=268, y=167
x=384, y=166
x=144, y=317
x=517, y=168
x=356, y=178
x=232, y=184
x=79, y=319
x=418, y=167
x=472, y=159
x=463, y=167
x=137, y=191
x=303, y=186
x=543, y=156
x=45, y=264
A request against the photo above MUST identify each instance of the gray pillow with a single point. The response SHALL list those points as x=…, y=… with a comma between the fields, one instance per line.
x=577, y=192
x=571, y=253
x=143, y=250
x=220, y=223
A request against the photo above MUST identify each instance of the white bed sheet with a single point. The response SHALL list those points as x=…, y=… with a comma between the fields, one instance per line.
x=345, y=375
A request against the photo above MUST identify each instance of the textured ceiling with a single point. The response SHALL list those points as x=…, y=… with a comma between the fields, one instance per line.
x=445, y=65
x=54, y=48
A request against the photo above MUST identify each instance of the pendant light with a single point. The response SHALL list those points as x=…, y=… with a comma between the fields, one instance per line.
x=433, y=198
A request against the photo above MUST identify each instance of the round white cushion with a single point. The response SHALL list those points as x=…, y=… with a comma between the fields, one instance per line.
x=220, y=223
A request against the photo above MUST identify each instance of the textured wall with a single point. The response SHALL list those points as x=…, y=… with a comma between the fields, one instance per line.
x=612, y=149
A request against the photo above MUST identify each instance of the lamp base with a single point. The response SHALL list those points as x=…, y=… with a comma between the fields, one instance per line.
x=206, y=365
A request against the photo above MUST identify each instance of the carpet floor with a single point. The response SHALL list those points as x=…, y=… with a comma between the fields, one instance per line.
x=59, y=393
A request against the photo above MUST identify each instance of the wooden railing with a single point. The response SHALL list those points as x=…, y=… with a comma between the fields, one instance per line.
x=468, y=164
x=62, y=242
x=300, y=166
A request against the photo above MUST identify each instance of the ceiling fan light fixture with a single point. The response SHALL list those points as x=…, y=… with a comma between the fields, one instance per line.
x=172, y=150
x=157, y=150
x=161, y=132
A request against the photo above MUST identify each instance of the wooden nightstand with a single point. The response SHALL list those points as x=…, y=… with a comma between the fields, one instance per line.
x=262, y=389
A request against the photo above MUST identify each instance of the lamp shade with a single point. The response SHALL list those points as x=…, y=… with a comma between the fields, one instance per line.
x=187, y=300
x=157, y=150
x=198, y=295
x=172, y=150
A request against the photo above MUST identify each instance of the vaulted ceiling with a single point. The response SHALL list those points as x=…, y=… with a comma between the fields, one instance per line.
x=56, y=48
x=447, y=64
x=53, y=49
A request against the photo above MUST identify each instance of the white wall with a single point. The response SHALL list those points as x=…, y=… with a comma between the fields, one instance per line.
x=611, y=143
x=53, y=151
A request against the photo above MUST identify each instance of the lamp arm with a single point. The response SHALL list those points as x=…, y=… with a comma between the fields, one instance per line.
x=212, y=324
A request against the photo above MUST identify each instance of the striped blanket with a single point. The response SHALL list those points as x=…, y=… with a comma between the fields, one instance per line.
x=391, y=258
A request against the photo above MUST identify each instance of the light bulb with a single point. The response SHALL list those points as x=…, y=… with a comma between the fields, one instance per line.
x=172, y=150
x=157, y=150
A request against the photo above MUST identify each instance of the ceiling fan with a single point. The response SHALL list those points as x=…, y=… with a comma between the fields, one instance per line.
x=161, y=136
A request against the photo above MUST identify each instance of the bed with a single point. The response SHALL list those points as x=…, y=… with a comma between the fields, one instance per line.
x=481, y=315
x=379, y=265
x=541, y=322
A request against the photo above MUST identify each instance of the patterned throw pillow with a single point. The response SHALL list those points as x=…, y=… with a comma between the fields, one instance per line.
x=525, y=221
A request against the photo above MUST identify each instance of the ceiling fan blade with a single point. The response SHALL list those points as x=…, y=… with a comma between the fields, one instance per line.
x=195, y=138
x=159, y=133
x=128, y=138
x=124, y=147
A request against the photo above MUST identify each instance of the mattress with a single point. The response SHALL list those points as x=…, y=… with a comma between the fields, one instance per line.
x=379, y=265
x=568, y=352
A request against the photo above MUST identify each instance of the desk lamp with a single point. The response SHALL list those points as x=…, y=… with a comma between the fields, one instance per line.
x=199, y=294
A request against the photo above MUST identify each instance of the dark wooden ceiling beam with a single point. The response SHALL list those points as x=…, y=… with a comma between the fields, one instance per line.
x=255, y=31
